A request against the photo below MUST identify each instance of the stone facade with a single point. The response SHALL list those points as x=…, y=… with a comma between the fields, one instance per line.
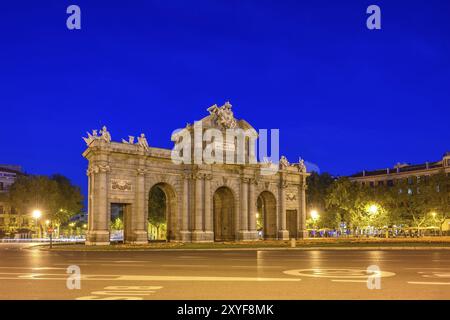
x=204, y=202
x=12, y=222
x=390, y=176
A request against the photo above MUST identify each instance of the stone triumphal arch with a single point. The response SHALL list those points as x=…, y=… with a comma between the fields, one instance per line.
x=204, y=202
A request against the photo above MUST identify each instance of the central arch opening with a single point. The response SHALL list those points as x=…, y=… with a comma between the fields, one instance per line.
x=223, y=204
x=161, y=212
x=266, y=219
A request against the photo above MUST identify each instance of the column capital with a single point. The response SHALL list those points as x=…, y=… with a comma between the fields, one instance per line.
x=141, y=171
x=96, y=168
x=92, y=169
x=187, y=176
x=283, y=184
x=197, y=176
x=245, y=180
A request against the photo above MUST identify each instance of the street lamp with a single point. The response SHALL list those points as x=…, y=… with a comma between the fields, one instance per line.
x=37, y=215
x=315, y=215
x=373, y=209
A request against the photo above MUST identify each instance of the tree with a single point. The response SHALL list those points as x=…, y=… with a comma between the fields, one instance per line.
x=439, y=198
x=317, y=193
x=359, y=206
x=412, y=201
x=54, y=196
x=117, y=224
x=343, y=200
x=157, y=210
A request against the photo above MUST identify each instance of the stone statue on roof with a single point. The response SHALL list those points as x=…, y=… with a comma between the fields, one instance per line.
x=105, y=135
x=142, y=142
x=224, y=116
x=301, y=165
x=284, y=163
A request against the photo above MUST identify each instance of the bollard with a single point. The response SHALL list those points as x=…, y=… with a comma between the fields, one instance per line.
x=293, y=243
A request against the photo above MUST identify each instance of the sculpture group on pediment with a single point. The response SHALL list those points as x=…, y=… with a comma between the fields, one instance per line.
x=104, y=135
x=141, y=141
x=224, y=116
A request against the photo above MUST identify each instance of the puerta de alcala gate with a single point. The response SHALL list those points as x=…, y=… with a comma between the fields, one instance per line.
x=204, y=202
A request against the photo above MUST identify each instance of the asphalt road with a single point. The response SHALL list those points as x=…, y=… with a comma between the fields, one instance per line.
x=35, y=274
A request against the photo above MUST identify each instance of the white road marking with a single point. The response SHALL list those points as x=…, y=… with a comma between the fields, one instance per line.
x=430, y=283
x=131, y=261
x=259, y=267
x=438, y=275
x=341, y=280
x=109, y=298
x=123, y=293
x=197, y=278
x=342, y=273
x=186, y=265
x=34, y=268
x=121, y=265
x=133, y=287
x=427, y=268
x=93, y=277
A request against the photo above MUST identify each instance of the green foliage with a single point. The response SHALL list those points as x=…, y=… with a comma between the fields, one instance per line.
x=117, y=224
x=54, y=196
x=157, y=210
x=319, y=186
x=417, y=202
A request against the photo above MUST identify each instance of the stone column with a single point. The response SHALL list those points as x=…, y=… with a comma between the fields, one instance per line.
x=198, y=233
x=209, y=234
x=244, y=204
x=283, y=234
x=252, y=210
x=138, y=232
x=185, y=233
x=302, y=232
x=98, y=233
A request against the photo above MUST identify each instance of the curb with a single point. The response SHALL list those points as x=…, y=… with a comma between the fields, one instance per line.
x=421, y=248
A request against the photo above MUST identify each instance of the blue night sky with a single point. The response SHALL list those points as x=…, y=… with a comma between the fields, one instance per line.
x=344, y=97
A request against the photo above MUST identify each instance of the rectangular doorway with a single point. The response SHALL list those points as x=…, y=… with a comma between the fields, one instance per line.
x=291, y=223
x=120, y=222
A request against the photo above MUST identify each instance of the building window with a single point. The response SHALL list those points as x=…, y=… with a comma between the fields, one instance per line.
x=372, y=184
x=381, y=183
